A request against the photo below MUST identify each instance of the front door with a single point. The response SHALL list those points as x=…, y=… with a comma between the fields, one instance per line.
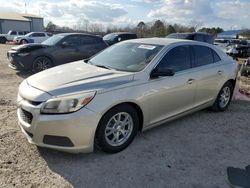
x=173, y=95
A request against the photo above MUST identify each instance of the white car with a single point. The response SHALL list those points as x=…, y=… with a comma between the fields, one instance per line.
x=11, y=35
x=32, y=37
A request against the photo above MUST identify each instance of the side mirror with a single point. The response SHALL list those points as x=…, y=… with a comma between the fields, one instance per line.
x=119, y=39
x=65, y=44
x=86, y=60
x=162, y=72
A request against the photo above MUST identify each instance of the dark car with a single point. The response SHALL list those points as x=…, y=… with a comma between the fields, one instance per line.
x=113, y=38
x=243, y=48
x=246, y=68
x=197, y=36
x=58, y=49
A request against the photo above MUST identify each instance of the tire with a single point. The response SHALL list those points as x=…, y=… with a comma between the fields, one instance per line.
x=41, y=63
x=224, y=98
x=23, y=41
x=112, y=135
x=3, y=40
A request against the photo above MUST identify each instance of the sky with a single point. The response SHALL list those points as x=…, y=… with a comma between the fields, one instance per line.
x=228, y=14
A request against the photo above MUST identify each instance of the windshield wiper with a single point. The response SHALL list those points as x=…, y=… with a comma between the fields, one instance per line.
x=102, y=66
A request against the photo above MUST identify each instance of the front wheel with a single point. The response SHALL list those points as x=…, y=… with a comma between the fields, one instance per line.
x=117, y=129
x=224, y=98
x=23, y=41
x=41, y=63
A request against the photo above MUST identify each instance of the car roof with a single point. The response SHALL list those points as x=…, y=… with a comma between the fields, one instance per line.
x=119, y=33
x=84, y=34
x=164, y=41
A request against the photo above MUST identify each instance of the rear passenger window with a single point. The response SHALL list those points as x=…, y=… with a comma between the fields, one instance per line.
x=177, y=59
x=216, y=56
x=13, y=33
x=38, y=35
x=203, y=55
x=88, y=40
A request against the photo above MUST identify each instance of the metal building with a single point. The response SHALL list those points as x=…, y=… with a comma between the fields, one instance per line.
x=232, y=34
x=20, y=22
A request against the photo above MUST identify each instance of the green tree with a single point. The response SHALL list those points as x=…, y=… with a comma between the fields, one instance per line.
x=51, y=27
x=214, y=31
x=141, y=27
x=170, y=29
x=159, y=29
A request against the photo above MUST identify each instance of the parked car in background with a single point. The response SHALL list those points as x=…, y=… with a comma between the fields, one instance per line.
x=222, y=43
x=234, y=47
x=113, y=38
x=246, y=68
x=11, y=35
x=57, y=50
x=197, y=36
x=129, y=87
x=32, y=37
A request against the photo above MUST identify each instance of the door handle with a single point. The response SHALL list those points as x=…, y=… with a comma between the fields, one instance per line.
x=219, y=72
x=190, y=81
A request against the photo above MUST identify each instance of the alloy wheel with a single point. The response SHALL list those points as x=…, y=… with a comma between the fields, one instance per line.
x=119, y=129
x=41, y=64
x=224, y=97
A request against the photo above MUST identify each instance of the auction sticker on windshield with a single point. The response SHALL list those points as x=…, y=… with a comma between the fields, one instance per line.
x=148, y=47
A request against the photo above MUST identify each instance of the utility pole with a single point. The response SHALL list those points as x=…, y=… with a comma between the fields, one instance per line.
x=25, y=6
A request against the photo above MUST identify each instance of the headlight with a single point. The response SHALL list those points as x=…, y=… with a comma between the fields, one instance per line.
x=67, y=104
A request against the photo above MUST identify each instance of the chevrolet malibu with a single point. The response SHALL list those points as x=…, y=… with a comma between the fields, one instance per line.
x=129, y=87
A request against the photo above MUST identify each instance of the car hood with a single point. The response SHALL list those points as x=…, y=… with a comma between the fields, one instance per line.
x=79, y=77
x=28, y=47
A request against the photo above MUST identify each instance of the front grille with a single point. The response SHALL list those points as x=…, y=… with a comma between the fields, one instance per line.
x=26, y=116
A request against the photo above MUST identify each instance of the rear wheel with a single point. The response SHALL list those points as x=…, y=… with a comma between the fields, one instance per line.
x=117, y=128
x=3, y=40
x=42, y=63
x=224, y=98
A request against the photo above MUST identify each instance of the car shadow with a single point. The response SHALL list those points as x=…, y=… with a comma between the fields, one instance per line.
x=193, y=151
x=24, y=74
x=104, y=170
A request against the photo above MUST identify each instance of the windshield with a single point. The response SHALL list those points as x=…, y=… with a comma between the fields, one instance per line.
x=28, y=34
x=131, y=57
x=53, y=40
x=109, y=36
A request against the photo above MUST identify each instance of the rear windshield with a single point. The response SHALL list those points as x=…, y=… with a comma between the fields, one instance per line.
x=181, y=36
x=131, y=57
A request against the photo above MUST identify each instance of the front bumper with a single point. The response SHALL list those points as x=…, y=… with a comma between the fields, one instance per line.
x=19, y=63
x=72, y=132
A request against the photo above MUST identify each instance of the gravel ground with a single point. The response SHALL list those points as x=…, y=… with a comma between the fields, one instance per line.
x=193, y=151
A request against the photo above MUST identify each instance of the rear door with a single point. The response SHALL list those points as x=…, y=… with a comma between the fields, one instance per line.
x=173, y=95
x=38, y=37
x=210, y=69
x=89, y=46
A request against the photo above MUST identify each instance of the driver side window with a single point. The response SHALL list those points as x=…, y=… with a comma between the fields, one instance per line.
x=72, y=41
x=177, y=59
